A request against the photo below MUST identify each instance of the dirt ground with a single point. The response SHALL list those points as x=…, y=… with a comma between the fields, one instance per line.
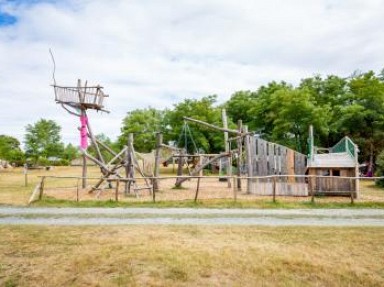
x=210, y=188
x=14, y=191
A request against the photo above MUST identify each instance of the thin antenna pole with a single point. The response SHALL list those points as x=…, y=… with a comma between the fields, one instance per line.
x=54, y=67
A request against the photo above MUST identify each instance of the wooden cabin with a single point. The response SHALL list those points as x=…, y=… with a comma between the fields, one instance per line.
x=335, y=169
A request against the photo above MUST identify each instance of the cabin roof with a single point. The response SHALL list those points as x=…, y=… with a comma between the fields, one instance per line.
x=329, y=160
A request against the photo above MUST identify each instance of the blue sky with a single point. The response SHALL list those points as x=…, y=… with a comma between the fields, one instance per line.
x=6, y=19
x=156, y=53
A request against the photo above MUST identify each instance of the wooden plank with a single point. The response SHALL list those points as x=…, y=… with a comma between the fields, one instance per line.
x=34, y=193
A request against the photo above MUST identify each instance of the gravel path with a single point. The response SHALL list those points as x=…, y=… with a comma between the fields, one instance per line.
x=124, y=216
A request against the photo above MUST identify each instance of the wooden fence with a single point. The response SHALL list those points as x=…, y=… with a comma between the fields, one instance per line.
x=268, y=186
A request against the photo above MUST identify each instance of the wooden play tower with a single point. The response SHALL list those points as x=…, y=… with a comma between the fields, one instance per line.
x=76, y=101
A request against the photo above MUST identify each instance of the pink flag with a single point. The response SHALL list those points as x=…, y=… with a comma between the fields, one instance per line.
x=83, y=132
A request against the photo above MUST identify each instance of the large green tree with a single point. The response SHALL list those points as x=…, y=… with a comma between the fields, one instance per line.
x=239, y=107
x=10, y=149
x=70, y=152
x=362, y=115
x=144, y=124
x=292, y=112
x=43, y=140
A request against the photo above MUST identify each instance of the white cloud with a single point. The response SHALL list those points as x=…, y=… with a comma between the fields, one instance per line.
x=156, y=53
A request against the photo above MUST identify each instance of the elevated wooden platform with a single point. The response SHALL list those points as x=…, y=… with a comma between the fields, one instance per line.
x=80, y=97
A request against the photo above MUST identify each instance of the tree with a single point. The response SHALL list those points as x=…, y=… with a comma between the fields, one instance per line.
x=332, y=94
x=70, y=152
x=10, y=150
x=262, y=116
x=239, y=106
x=43, y=140
x=143, y=123
x=362, y=116
x=292, y=112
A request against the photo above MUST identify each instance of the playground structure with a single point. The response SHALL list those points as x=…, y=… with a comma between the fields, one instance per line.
x=76, y=101
x=334, y=167
x=267, y=168
x=267, y=160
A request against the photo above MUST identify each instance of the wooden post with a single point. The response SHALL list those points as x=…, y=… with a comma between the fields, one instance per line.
x=41, y=188
x=77, y=190
x=352, y=192
x=173, y=164
x=226, y=144
x=274, y=188
x=25, y=175
x=311, y=189
x=153, y=194
x=84, y=173
x=128, y=163
x=93, y=139
x=248, y=150
x=117, y=190
x=84, y=163
x=198, y=179
x=197, y=189
x=357, y=173
x=234, y=188
x=159, y=141
x=180, y=162
x=240, y=154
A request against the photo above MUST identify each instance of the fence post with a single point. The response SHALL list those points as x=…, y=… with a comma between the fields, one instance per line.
x=352, y=191
x=248, y=152
x=274, y=188
x=234, y=188
x=41, y=188
x=311, y=189
x=77, y=190
x=155, y=181
x=25, y=175
x=117, y=190
x=197, y=188
x=153, y=192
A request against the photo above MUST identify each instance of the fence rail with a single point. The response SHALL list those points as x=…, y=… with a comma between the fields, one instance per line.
x=207, y=187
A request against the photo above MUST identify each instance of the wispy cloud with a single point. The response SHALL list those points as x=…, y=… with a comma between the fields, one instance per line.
x=159, y=52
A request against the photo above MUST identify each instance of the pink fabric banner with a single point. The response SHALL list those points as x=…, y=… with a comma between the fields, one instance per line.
x=83, y=132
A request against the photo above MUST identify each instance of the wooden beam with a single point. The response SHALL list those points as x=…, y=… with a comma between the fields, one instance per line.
x=112, y=152
x=197, y=170
x=170, y=147
x=212, y=126
x=118, y=156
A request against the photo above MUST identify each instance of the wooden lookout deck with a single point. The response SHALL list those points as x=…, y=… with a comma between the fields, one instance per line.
x=80, y=97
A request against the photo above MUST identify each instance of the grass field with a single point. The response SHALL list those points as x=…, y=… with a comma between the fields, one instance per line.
x=190, y=256
x=187, y=255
